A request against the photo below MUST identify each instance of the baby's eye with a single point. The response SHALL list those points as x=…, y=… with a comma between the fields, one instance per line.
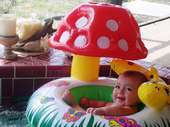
x=129, y=89
x=117, y=87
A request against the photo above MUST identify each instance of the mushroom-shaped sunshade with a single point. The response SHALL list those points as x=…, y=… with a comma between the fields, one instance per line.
x=99, y=30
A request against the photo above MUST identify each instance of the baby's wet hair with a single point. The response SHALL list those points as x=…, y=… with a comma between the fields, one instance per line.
x=135, y=74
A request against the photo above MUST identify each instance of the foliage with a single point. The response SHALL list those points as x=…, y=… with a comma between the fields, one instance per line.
x=5, y=5
x=43, y=8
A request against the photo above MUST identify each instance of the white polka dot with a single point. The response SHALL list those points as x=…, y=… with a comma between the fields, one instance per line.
x=138, y=45
x=112, y=25
x=81, y=22
x=80, y=41
x=64, y=37
x=123, y=45
x=103, y=42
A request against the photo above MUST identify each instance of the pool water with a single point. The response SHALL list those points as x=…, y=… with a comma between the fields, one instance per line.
x=13, y=119
x=13, y=116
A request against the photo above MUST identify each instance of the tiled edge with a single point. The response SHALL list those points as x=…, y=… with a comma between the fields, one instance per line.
x=64, y=71
x=22, y=87
x=6, y=91
x=30, y=71
x=14, y=90
x=6, y=71
x=38, y=82
x=6, y=85
x=23, y=81
x=58, y=71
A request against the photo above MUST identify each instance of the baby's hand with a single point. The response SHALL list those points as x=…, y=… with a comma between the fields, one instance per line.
x=68, y=97
x=96, y=111
x=91, y=110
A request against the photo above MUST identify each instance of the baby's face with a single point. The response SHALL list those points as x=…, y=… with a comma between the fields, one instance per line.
x=125, y=92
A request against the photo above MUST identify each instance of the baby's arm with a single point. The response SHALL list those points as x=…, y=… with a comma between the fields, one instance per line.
x=70, y=100
x=68, y=97
x=113, y=110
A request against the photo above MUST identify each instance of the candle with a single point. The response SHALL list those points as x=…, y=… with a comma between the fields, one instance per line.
x=7, y=25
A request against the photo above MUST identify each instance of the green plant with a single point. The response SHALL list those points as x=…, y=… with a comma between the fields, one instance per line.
x=5, y=5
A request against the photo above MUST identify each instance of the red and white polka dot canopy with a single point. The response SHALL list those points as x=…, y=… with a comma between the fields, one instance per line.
x=100, y=30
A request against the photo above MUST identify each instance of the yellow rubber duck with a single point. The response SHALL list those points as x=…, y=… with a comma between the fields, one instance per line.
x=155, y=93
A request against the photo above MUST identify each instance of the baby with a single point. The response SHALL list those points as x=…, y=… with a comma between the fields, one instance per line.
x=125, y=96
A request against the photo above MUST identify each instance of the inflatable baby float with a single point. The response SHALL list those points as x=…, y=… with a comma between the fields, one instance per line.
x=91, y=31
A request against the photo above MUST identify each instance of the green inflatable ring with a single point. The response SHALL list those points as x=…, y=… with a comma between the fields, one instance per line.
x=47, y=109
